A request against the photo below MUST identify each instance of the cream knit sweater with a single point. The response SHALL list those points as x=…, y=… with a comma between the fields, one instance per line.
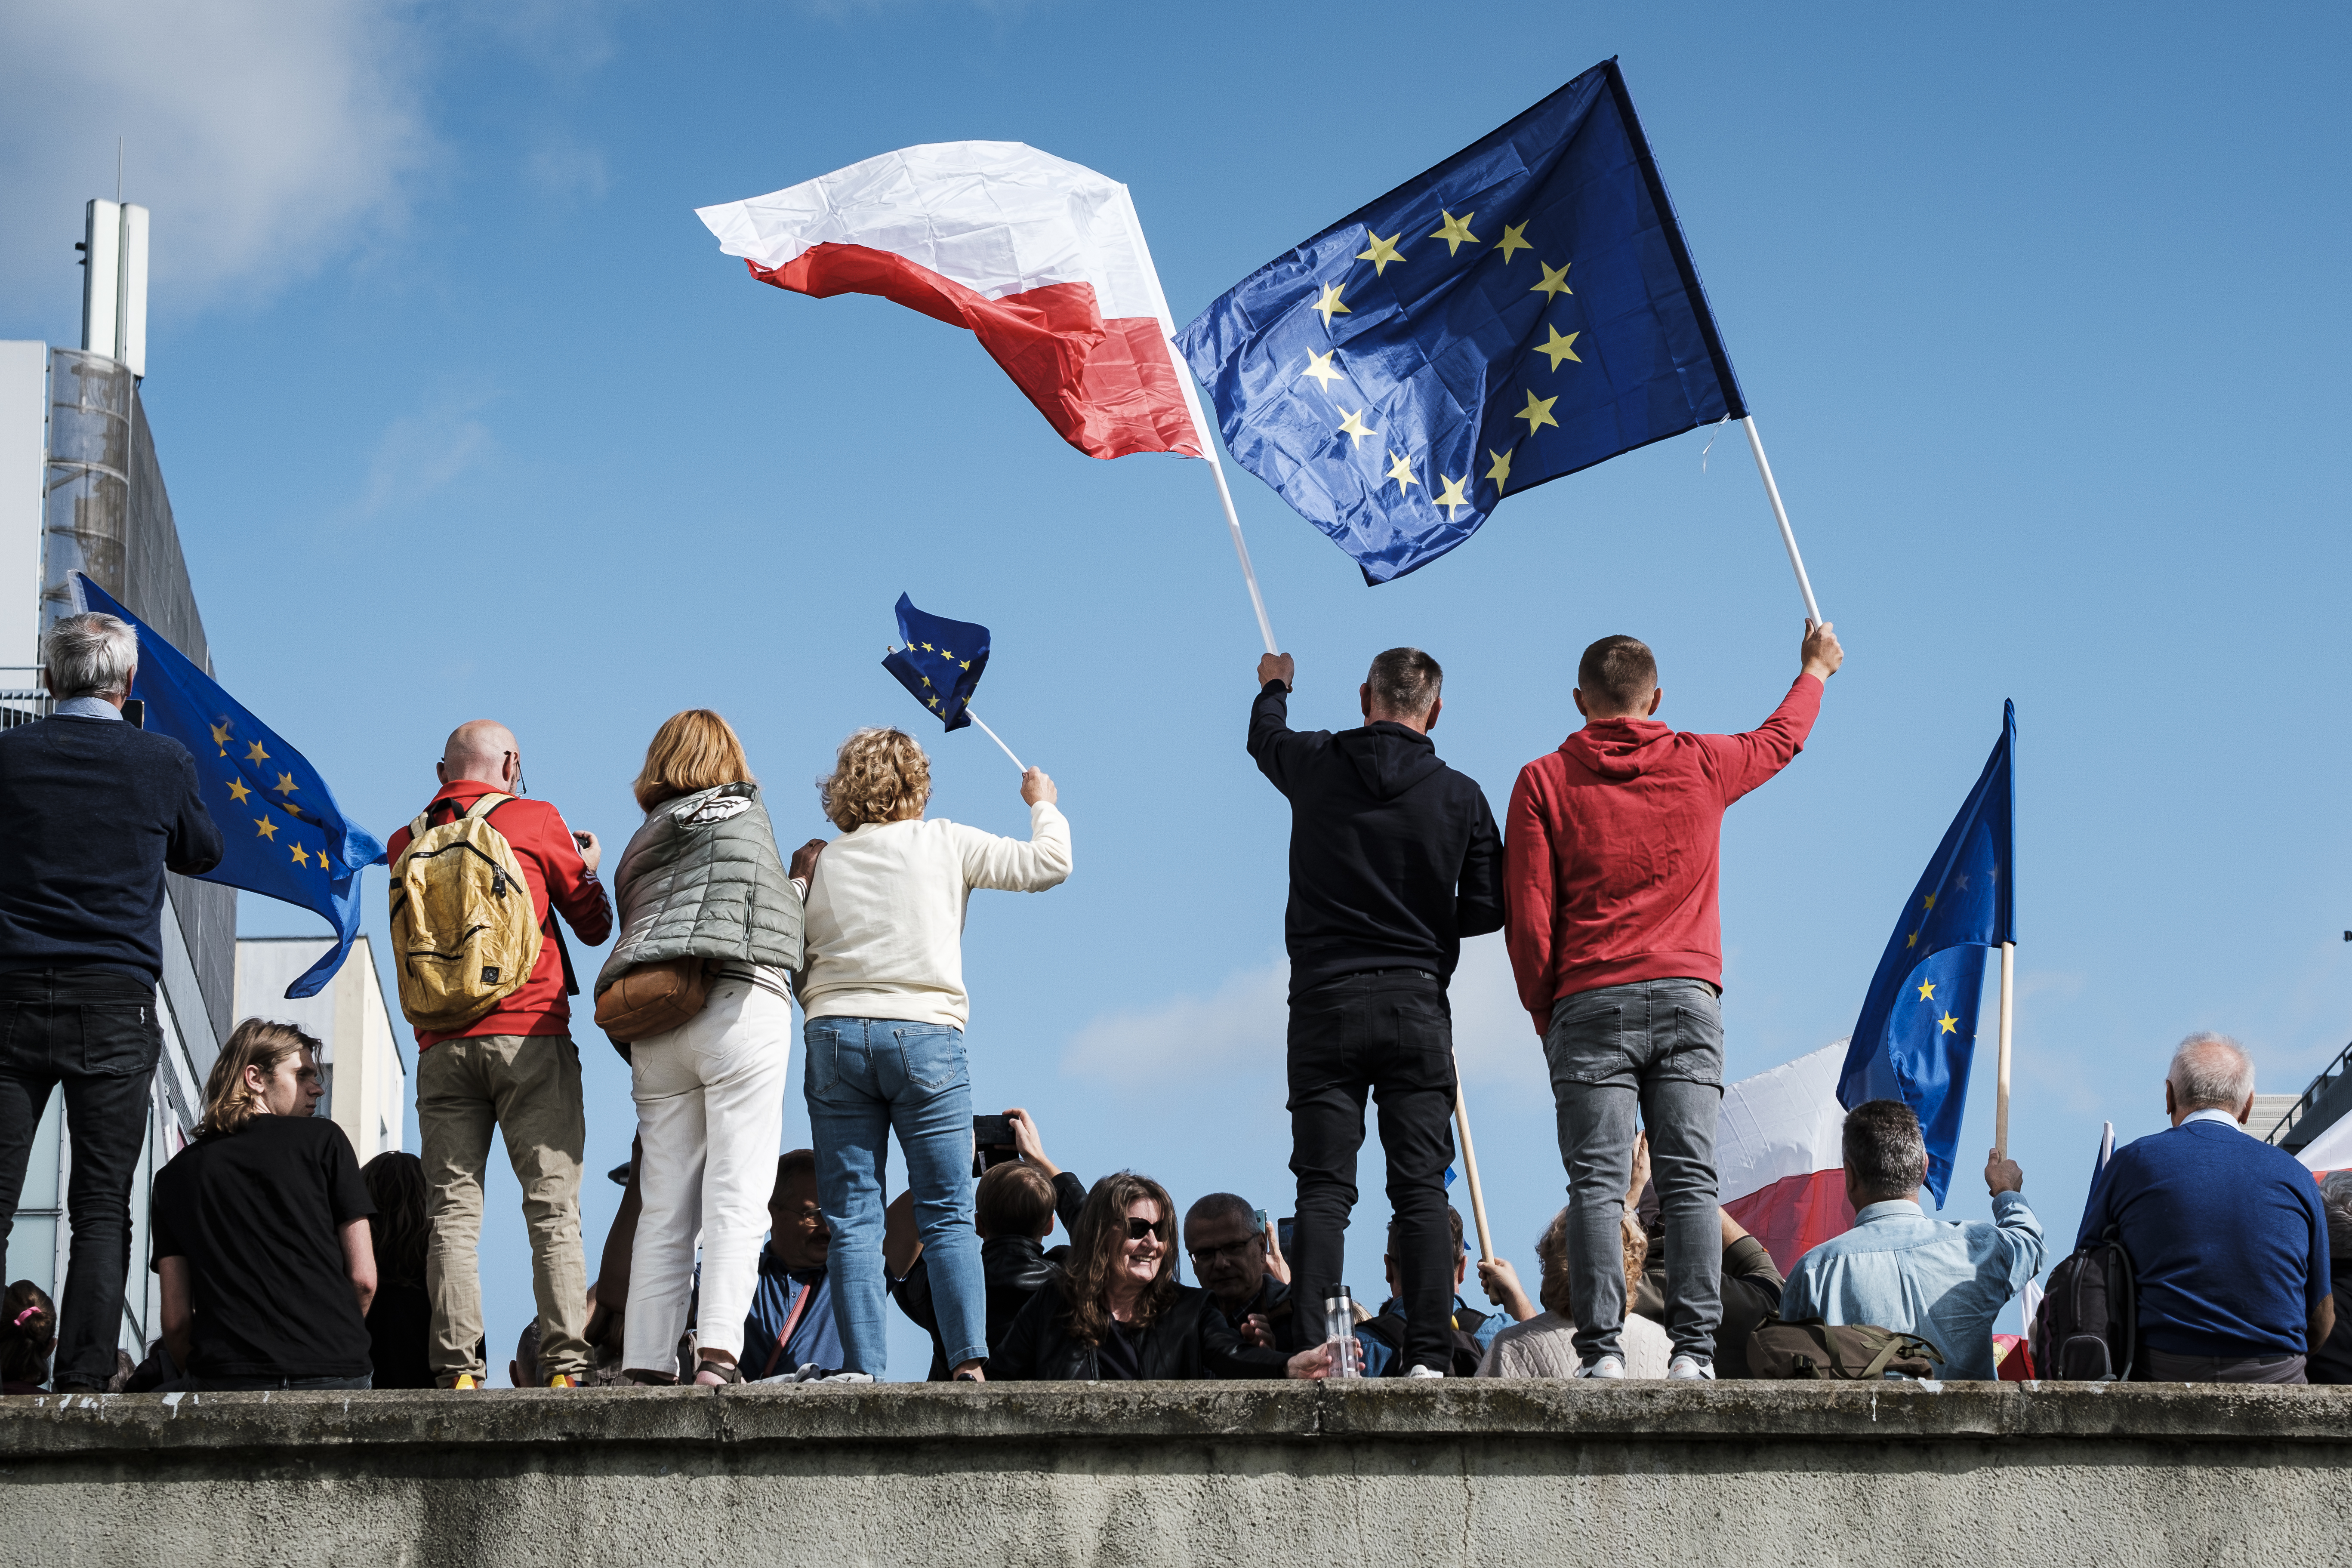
x=885, y=917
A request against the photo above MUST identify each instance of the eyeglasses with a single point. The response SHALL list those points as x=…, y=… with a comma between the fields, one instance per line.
x=1236, y=1251
x=1138, y=1227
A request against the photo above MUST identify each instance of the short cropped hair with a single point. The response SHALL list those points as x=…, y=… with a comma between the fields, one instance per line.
x=1223, y=1206
x=795, y=1164
x=91, y=655
x=1404, y=680
x=1618, y=672
x=1014, y=1199
x=1884, y=1149
x=2211, y=1070
x=692, y=752
x=1452, y=1223
x=2335, y=1198
x=880, y=775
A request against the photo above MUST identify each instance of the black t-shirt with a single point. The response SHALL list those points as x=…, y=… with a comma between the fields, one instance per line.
x=257, y=1213
x=1120, y=1356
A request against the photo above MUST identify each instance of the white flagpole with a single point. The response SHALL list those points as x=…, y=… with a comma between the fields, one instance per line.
x=992, y=735
x=2001, y=1096
x=1201, y=434
x=1788, y=534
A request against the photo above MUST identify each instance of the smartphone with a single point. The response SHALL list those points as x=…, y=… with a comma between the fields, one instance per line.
x=1282, y=1228
x=134, y=713
x=1259, y=1215
x=991, y=1142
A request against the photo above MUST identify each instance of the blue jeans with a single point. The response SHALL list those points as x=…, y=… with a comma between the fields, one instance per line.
x=868, y=1077
x=1654, y=1046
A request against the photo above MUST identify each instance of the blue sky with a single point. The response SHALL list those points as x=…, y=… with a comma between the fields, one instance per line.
x=2038, y=308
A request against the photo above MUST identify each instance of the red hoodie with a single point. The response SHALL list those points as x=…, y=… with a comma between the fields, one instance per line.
x=551, y=864
x=1611, y=848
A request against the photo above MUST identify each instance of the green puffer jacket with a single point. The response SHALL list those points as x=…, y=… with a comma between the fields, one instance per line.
x=702, y=879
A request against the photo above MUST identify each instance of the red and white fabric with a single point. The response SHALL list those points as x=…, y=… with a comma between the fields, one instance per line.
x=1041, y=258
x=1780, y=1159
x=2331, y=1151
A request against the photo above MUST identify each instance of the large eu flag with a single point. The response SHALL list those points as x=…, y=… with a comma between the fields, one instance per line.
x=1524, y=310
x=1917, y=1032
x=941, y=664
x=287, y=837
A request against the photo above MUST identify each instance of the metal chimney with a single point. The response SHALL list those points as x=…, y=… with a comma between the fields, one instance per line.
x=114, y=283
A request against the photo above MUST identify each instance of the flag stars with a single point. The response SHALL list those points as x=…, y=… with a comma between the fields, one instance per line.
x=1354, y=427
x=1558, y=348
x=237, y=791
x=265, y=828
x=1451, y=497
x=1401, y=471
x=285, y=784
x=1554, y=283
x=1382, y=251
x=303, y=860
x=1330, y=305
x=1927, y=902
x=1455, y=232
x=1500, y=473
x=220, y=738
x=254, y=753
x=1538, y=412
x=1512, y=241
x=1927, y=990
x=1319, y=368
x=1948, y=1025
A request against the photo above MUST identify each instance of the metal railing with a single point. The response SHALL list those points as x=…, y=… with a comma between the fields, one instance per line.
x=2321, y=1087
x=22, y=698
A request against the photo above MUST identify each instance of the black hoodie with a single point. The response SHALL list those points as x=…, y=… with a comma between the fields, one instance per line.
x=1394, y=858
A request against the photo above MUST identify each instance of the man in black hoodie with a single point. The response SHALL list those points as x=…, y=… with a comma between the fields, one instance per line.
x=1394, y=859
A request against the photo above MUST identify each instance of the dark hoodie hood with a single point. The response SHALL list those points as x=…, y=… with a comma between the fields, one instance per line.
x=1620, y=748
x=1388, y=758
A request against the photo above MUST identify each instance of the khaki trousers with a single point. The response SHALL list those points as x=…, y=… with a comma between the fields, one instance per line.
x=527, y=1086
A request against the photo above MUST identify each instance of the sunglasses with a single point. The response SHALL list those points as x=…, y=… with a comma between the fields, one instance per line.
x=1138, y=1228
x=1236, y=1251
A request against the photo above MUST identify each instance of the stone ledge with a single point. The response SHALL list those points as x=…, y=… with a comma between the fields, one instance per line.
x=33, y=1429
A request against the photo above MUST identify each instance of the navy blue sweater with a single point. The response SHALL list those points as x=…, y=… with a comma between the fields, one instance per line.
x=92, y=811
x=2226, y=1236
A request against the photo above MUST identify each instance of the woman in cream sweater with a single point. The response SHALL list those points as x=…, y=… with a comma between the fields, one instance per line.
x=885, y=999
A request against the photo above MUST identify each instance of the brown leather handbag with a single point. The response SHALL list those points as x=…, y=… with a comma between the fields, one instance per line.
x=654, y=998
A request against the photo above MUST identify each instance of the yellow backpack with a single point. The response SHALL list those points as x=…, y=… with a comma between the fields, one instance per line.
x=462, y=922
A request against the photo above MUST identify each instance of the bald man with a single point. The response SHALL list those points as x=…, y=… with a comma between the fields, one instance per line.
x=517, y=1071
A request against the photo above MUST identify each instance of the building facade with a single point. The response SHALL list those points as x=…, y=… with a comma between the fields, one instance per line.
x=367, y=1080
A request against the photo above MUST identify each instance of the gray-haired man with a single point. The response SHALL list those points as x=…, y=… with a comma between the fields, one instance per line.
x=96, y=811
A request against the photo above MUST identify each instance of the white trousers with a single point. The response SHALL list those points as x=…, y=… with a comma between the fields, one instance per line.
x=710, y=1118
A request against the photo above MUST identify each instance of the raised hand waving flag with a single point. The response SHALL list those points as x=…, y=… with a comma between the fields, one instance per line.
x=940, y=666
x=1524, y=310
x=287, y=837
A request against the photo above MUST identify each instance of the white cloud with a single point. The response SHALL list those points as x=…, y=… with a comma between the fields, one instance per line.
x=268, y=136
x=419, y=453
x=1243, y=1025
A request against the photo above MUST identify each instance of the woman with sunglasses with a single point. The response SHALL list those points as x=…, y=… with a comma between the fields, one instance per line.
x=1117, y=1312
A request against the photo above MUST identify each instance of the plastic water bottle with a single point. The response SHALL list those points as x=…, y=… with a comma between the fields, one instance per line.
x=1340, y=1332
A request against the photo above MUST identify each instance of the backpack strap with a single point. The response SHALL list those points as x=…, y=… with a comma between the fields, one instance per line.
x=488, y=803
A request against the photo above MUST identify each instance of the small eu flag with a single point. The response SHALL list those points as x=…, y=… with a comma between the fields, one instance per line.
x=1917, y=1032
x=287, y=837
x=1524, y=310
x=941, y=662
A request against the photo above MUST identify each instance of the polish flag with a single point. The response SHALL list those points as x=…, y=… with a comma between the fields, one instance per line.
x=1043, y=259
x=2331, y=1151
x=1779, y=1157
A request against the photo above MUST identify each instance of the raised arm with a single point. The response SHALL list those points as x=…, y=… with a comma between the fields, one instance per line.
x=1271, y=740
x=2021, y=1232
x=1008, y=864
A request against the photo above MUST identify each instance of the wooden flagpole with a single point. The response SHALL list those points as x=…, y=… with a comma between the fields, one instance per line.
x=1470, y=1173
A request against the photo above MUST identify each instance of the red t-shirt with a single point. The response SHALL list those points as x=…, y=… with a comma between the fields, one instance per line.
x=551, y=864
x=1611, y=849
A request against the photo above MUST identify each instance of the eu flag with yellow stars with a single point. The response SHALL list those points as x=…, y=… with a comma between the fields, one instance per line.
x=287, y=838
x=941, y=662
x=1917, y=1032
x=1524, y=310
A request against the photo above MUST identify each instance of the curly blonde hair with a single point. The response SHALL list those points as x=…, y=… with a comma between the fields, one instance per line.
x=880, y=775
x=1551, y=1253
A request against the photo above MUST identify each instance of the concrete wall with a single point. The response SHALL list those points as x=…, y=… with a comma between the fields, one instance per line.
x=1244, y=1474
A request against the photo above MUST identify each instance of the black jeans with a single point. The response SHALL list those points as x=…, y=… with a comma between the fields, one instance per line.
x=95, y=1032
x=1391, y=1034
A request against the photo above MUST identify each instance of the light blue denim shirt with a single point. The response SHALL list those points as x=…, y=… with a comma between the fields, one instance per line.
x=1945, y=1280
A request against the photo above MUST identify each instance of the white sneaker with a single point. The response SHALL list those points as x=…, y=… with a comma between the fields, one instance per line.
x=849, y=1377
x=1609, y=1368
x=1690, y=1369
x=1423, y=1372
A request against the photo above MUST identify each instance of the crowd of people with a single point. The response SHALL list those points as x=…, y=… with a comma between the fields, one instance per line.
x=282, y=1264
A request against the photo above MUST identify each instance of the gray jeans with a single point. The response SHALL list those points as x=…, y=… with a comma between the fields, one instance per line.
x=1654, y=1046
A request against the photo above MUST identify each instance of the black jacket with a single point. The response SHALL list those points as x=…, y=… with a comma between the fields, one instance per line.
x=92, y=812
x=1394, y=858
x=1272, y=1299
x=1191, y=1339
x=1012, y=1267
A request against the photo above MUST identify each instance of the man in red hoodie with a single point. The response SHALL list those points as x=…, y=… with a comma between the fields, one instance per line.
x=1610, y=855
x=515, y=1071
